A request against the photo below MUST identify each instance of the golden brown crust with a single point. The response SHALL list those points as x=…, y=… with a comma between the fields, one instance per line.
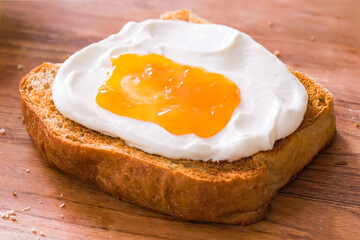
x=183, y=15
x=237, y=192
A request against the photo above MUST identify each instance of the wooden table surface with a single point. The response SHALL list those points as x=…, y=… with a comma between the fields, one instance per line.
x=320, y=38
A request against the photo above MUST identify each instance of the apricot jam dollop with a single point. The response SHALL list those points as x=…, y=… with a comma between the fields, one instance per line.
x=182, y=99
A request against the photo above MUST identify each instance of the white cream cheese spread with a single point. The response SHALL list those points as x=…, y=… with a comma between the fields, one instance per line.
x=273, y=101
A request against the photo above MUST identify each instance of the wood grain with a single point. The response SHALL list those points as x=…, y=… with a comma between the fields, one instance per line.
x=323, y=202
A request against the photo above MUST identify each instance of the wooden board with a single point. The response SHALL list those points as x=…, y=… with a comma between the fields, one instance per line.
x=323, y=202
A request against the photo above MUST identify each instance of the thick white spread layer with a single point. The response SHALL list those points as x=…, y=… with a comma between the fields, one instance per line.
x=273, y=101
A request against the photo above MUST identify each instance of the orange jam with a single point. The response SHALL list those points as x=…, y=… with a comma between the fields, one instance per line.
x=180, y=98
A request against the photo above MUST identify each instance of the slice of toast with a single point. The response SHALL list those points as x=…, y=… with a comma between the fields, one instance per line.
x=237, y=193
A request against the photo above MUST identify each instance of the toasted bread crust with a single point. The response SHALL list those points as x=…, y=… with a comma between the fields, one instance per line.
x=236, y=193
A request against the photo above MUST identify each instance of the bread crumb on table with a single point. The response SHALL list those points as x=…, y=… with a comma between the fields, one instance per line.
x=26, y=209
x=9, y=214
x=2, y=131
x=33, y=230
x=62, y=205
x=20, y=66
x=40, y=202
x=28, y=170
x=270, y=23
x=41, y=233
x=276, y=52
x=61, y=195
x=312, y=38
x=14, y=194
x=356, y=124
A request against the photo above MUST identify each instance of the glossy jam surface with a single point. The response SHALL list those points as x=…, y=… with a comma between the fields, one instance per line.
x=182, y=99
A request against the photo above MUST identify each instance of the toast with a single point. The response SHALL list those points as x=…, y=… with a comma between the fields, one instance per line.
x=225, y=192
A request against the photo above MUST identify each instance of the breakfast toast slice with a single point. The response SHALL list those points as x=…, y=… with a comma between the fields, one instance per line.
x=226, y=192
